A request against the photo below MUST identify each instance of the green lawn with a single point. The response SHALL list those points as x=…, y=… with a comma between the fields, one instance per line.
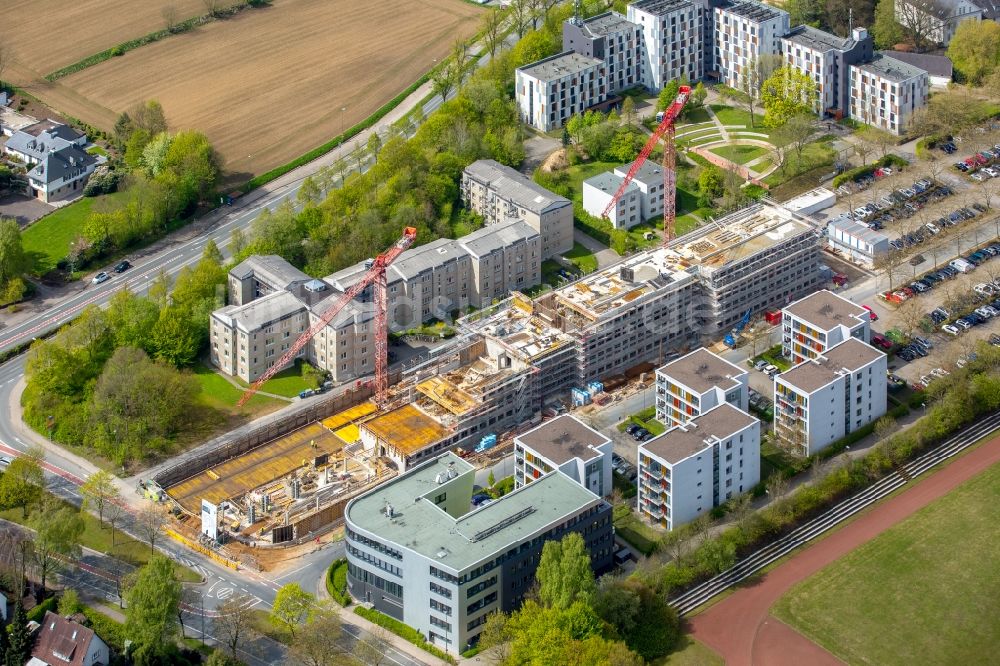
x=815, y=155
x=581, y=172
x=923, y=592
x=729, y=115
x=97, y=150
x=289, y=382
x=701, y=136
x=695, y=116
x=48, y=240
x=98, y=538
x=219, y=394
x=762, y=166
x=690, y=652
x=582, y=258
x=685, y=224
x=629, y=527
x=740, y=154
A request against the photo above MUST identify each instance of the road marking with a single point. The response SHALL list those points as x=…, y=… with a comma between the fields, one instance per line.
x=224, y=593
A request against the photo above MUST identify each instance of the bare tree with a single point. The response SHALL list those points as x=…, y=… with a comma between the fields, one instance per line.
x=212, y=6
x=371, y=648
x=753, y=76
x=235, y=622
x=863, y=149
x=884, y=427
x=520, y=14
x=492, y=28
x=169, y=14
x=920, y=18
x=150, y=521
x=890, y=265
x=759, y=331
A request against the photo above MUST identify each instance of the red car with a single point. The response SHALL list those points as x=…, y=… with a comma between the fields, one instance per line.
x=883, y=342
x=871, y=313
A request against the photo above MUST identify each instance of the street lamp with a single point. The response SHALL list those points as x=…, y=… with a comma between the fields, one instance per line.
x=342, y=110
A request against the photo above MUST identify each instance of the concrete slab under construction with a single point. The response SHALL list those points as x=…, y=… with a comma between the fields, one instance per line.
x=255, y=468
x=405, y=429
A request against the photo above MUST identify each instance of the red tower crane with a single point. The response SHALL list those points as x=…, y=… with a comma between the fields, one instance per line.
x=374, y=276
x=666, y=132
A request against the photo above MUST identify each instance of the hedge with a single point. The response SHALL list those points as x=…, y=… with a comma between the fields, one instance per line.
x=404, y=631
x=336, y=582
x=38, y=612
x=864, y=171
x=110, y=631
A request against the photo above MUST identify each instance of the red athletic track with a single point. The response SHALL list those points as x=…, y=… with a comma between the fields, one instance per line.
x=740, y=627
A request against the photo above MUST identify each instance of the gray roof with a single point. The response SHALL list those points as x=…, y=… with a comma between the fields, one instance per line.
x=424, y=258
x=818, y=40
x=496, y=237
x=68, y=162
x=563, y=64
x=458, y=543
x=815, y=373
x=269, y=269
x=684, y=441
x=935, y=65
x=753, y=11
x=609, y=182
x=36, y=147
x=564, y=438
x=650, y=173
x=260, y=312
x=512, y=185
x=826, y=310
x=660, y=7
x=608, y=23
x=890, y=68
x=701, y=370
x=859, y=231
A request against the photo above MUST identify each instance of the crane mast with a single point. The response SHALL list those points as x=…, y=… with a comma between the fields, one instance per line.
x=374, y=275
x=664, y=131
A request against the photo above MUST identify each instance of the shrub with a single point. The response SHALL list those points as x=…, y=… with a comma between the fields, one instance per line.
x=38, y=612
x=110, y=631
x=865, y=171
x=336, y=582
x=404, y=631
x=118, y=51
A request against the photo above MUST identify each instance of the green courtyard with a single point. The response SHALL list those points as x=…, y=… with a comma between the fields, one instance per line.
x=923, y=592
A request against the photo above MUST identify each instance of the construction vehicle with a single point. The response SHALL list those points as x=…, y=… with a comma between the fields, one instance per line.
x=734, y=335
x=375, y=276
x=665, y=130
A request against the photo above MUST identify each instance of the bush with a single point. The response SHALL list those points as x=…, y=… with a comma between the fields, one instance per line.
x=404, y=631
x=865, y=171
x=110, y=631
x=336, y=582
x=38, y=612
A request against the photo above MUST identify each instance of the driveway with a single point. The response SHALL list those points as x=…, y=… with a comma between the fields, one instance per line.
x=23, y=208
x=605, y=256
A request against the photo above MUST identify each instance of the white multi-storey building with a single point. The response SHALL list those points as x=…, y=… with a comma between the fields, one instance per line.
x=549, y=91
x=697, y=382
x=600, y=189
x=613, y=39
x=825, y=398
x=420, y=552
x=672, y=40
x=565, y=444
x=691, y=468
x=885, y=92
x=821, y=320
x=744, y=31
x=826, y=58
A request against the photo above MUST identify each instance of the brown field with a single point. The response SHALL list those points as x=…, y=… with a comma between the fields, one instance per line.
x=269, y=84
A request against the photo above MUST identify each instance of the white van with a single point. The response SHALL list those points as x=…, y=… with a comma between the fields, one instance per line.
x=961, y=265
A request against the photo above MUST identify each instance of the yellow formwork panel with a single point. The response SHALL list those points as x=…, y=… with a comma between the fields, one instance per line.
x=349, y=433
x=349, y=415
x=256, y=468
x=446, y=394
x=406, y=429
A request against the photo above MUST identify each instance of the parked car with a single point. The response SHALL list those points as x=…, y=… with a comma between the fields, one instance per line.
x=950, y=329
x=632, y=428
x=101, y=277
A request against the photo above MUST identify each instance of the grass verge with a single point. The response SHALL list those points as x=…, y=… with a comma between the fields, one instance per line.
x=290, y=381
x=218, y=393
x=404, y=631
x=336, y=582
x=690, y=652
x=631, y=529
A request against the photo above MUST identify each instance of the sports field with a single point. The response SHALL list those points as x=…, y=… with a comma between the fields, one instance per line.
x=269, y=84
x=923, y=592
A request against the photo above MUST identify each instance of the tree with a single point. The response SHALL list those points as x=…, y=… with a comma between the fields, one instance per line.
x=884, y=427
x=668, y=94
x=318, y=642
x=69, y=603
x=886, y=31
x=151, y=600
x=805, y=12
x=975, y=50
x=709, y=185
x=786, y=93
x=642, y=617
x=890, y=265
x=519, y=12
x=291, y=607
x=212, y=6
x=920, y=19
x=57, y=537
x=212, y=252
x=19, y=647
x=98, y=491
x=219, y=658
x=564, y=573
x=496, y=636
x=235, y=621
x=148, y=116
x=863, y=149
x=23, y=481
x=753, y=76
x=628, y=111
x=149, y=522
x=795, y=133
x=169, y=14
x=879, y=140
x=13, y=260
x=491, y=25
x=698, y=95
x=443, y=81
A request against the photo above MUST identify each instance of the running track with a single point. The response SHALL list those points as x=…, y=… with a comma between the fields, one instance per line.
x=740, y=627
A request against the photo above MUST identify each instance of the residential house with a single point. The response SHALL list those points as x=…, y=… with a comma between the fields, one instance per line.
x=62, y=642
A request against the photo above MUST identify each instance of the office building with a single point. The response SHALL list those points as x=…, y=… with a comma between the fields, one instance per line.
x=701, y=464
x=885, y=93
x=825, y=398
x=821, y=320
x=420, y=552
x=697, y=382
x=567, y=445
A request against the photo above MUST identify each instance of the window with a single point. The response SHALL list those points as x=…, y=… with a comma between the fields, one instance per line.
x=440, y=607
x=443, y=591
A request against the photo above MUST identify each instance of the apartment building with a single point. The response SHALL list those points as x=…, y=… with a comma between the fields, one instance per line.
x=649, y=179
x=567, y=445
x=744, y=31
x=826, y=58
x=885, y=92
x=812, y=325
x=701, y=464
x=856, y=242
x=418, y=551
x=756, y=258
x=550, y=91
x=825, y=398
x=499, y=193
x=505, y=257
x=599, y=190
x=671, y=40
x=612, y=38
x=937, y=20
x=697, y=382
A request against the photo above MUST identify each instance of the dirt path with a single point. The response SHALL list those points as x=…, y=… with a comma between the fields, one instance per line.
x=740, y=627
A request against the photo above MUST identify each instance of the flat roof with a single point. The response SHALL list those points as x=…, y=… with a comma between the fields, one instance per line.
x=660, y=7
x=935, y=65
x=458, y=543
x=701, y=370
x=856, y=230
x=815, y=373
x=608, y=23
x=564, y=438
x=609, y=182
x=890, y=68
x=683, y=441
x=754, y=11
x=826, y=310
x=560, y=65
x=816, y=39
x=406, y=428
x=650, y=173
